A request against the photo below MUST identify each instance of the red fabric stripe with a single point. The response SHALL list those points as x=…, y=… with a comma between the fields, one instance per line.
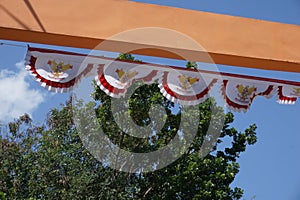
x=106, y=84
x=149, y=76
x=285, y=98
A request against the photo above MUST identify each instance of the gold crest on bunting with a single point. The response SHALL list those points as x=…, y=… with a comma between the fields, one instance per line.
x=58, y=70
x=125, y=76
x=245, y=93
x=186, y=82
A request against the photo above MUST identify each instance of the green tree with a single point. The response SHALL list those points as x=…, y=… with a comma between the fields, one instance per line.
x=51, y=161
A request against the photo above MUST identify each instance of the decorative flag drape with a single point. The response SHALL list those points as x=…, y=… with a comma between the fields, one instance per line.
x=60, y=71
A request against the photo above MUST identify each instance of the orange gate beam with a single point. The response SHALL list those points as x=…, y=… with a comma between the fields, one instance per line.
x=229, y=40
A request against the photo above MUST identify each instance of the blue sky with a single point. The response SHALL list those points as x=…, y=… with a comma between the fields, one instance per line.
x=269, y=169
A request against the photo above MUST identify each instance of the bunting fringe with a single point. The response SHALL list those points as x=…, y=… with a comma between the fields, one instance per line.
x=60, y=71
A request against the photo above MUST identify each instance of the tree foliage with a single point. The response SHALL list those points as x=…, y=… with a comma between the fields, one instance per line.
x=51, y=162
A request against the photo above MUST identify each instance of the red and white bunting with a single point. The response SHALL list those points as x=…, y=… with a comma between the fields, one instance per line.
x=60, y=71
x=240, y=93
x=288, y=94
x=115, y=78
x=57, y=72
x=185, y=87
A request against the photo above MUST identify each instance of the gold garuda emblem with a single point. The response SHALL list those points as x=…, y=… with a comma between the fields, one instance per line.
x=58, y=70
x=245, y=93
x=296, y=91
x=125, y=76
x=186, y=82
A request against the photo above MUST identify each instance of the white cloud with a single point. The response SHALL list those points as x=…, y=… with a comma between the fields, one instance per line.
x=16, y=96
